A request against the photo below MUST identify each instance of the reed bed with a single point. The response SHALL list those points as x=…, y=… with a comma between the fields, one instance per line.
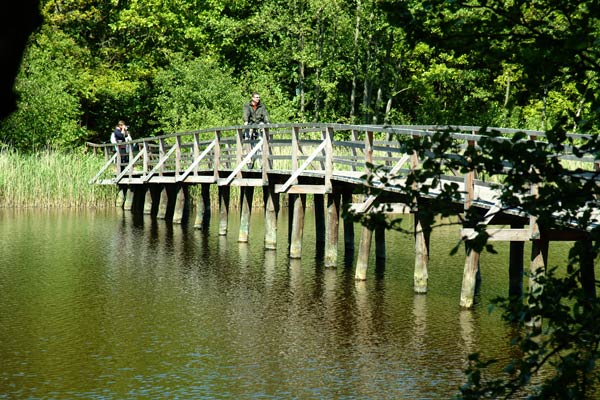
x=50, y=179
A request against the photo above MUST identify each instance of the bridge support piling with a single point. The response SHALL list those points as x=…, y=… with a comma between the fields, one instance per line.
x=537, y=269
x=121, y=193
x=348, y=223
x=380, y=243
x=163, y=203
x=246, y=197
x=515, y=267
x=364, y=250
x=467, y=293
x=587, y=277
x=298, y=203
x=203, y=207
x=422, y=232
x=319, y=205
x=129, y=195
x=271, y=201
x=139, y=192
x=180, y=203
x=147, y=200
x=224, y=196
x=332, y=229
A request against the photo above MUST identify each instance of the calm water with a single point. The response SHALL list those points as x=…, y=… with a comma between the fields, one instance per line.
x=104, y=305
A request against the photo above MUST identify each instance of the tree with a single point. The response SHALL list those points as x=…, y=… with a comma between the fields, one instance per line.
x=552, y=46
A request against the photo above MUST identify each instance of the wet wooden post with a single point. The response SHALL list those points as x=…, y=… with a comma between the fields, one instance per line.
x=537, y=269
x=147, y=200
x=467, y=293
x=129, y=194
x=515, y=267
x=247, y=194
x=380, y=242
x=298, y=203
x=587, y=276
x=203, y=207
x=224, y=196
x=163, y=204
x=319, y=205
x=179, y=204
x=422, y=232
x=348, y=223
x=332, y=228
x=271, y=211
x=364, y=249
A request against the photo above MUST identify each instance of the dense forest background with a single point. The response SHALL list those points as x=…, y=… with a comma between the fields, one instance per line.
x=176, y=65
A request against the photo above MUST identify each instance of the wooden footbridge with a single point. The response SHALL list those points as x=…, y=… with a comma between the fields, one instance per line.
x=155, y=175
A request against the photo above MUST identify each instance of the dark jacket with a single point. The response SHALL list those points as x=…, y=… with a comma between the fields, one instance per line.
x=257, y=116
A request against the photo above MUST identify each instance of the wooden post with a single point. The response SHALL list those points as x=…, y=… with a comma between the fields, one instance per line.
x=422, y=232
x=224, y=193
x=203, y=207
x=148, y=200
x=515, y=267
x=332, y=228
x=163, y=203
x=537, y=269
x=348, y=224
x=179, y=204
x=247, y=194
x=128, y=204
x=298, y=206
x=271, y=210
x=319, y=204
x=469, y=282
x=364, y=250
x=587, y=276
x=380, y=242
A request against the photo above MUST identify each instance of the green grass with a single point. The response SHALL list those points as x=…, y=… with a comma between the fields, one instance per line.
x=51, y=179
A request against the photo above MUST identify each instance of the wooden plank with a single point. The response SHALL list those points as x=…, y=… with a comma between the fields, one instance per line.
x=387, y=208
x=301, y=189
x=247, y=182
x=199, y=179
x=506, y=235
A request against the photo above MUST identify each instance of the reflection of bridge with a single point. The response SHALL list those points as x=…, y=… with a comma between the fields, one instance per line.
x=319, y=159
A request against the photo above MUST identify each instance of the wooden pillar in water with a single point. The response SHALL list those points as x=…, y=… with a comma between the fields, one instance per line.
x=180, y=200
x=224, y=193
x=148, y=200
x=271, y=210
x=469, y=282
x=364, y=250
x=319, y=204
x=537, y=269
x=515, y=267
x=246, y=197
x=332, y=228
x=203, y=207
x=298, y=203
x=587, y=275
x=128, y=194
x=348, y=224
x=380, y=242
x=163, y=203
x=422, y=232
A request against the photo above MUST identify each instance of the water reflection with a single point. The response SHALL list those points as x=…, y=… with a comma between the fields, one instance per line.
x=112, y=305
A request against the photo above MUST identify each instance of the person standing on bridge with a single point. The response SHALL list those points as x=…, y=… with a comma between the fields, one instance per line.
x=121, y=135
x=254, y=112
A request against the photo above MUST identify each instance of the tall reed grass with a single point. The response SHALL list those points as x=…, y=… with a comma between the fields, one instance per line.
x=51, y=179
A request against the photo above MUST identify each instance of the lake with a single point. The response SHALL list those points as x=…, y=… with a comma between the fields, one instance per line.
x=102, y=304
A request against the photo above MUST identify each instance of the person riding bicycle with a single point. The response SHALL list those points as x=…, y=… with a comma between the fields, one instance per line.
x=254, y=113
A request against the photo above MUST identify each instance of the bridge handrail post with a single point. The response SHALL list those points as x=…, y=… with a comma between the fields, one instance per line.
x=146, y=160
x=196, y=151
x=266, y=153
x=369, y=153
x=295, y=147
x=217, y=154
x=354, y=138
x=161, y=153
x=239, y=155
x=329, y=159
x=177, y=155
